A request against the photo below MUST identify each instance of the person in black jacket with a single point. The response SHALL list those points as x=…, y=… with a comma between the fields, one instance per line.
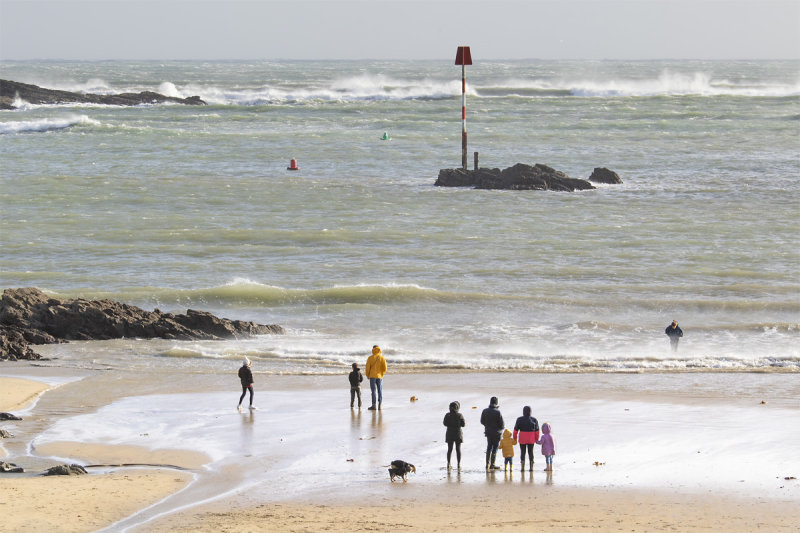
x=526, y=433
x=493, y=424
x=355, y=378
x=454, y=422
x=674, y=333
x=246, y=377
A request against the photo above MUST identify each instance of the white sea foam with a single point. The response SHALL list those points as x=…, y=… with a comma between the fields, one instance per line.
x=45, y=124
x=667, y=83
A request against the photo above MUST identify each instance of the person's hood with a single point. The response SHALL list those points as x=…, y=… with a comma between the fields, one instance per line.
x=246, y=361
x=546, y=428
x=506, y=433
x=376, y=350
x=454, y=407
x=526, y=411
x=493, y=402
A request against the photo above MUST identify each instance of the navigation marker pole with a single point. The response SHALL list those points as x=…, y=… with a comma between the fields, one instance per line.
x=463, y=58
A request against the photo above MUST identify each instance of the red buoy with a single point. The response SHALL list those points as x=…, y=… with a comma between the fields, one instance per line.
x=293, y=165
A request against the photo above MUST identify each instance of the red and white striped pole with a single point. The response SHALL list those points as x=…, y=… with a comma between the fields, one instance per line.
x=463, y=58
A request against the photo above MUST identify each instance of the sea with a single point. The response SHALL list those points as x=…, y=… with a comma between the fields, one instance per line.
x=182, y=207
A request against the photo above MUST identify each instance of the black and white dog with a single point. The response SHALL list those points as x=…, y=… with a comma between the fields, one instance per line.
x=401, y=469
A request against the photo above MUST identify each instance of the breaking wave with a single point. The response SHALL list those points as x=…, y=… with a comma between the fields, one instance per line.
x=243, y=292
x=45, y=124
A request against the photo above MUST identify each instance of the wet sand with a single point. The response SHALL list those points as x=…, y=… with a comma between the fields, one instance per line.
x=667, y=459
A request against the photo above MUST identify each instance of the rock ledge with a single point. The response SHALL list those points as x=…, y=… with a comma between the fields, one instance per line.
x=33, y=94
x=28, y=316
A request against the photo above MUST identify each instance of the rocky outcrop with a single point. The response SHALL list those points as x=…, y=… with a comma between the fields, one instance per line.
x=10, y=468
x=33, y=94
x=65, y=470
x=603, y=175
x=520, y=177
x=28, y=316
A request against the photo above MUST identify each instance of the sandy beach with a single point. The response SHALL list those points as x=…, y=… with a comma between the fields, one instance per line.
x=305, y=462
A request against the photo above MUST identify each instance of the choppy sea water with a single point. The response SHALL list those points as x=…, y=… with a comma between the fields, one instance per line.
x=182, y=207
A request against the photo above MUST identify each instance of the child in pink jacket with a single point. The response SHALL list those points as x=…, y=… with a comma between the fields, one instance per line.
x=548, y=446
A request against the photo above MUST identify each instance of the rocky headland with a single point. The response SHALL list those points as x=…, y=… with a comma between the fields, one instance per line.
x=11, y=91
x=30, y=317
x=522, y=177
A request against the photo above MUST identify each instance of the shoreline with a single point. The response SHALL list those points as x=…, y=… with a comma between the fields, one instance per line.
x=250, y=470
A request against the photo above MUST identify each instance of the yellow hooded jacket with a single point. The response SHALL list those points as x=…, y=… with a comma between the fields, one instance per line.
x=376, y=364
x=507, y=444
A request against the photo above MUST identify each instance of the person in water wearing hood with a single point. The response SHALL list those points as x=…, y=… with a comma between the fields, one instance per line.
x=246, y=376
x=507, y=444
x=454, y=421
x=376, y=368
x=493, y=424
x=526, y=431
x=355, y=378
x=674, y=332
x=548, y=446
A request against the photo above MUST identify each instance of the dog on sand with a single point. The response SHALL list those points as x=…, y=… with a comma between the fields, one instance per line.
x=401, y=469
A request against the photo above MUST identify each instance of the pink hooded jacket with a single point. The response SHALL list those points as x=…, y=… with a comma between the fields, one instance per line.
x=547, y=442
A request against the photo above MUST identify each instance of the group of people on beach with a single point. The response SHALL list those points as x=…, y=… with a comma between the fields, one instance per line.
x=526, y=429
x=498, y=437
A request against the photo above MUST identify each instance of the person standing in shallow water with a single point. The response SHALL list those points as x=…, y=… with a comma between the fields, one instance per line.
x=454, y=421
x=674, y=333
x=375, y=370
x=493, y=424
x=246, y=377
x=355, y=378
x=526, y=431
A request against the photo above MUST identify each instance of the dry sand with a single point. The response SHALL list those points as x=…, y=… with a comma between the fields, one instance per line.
x=82, y=503
x=503, y=508
x=16, y=393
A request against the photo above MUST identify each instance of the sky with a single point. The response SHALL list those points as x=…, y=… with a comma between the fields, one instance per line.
x=399, y=29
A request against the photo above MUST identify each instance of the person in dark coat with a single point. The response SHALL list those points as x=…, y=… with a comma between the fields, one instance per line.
x=355, y=377
x=246, y=377
x=526, y=432
x=454, y=422
x=493, y=424
x=674, y=333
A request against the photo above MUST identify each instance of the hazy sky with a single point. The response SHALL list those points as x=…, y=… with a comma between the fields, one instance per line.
x=395, y=29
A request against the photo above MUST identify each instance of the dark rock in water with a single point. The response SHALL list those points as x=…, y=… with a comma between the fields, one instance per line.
x=10, y=468
x=520, y=177
x=28, y=316
x=5, y=434
x=33, y=94
x=9, y=416
x=65, y=470
x=14, y=344
x=603, y=175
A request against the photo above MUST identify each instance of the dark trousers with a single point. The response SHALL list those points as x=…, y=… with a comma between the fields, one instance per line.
x=450, y=451
x=246, y=388
x=523, y=448
x=492, y=443
x=355, y=391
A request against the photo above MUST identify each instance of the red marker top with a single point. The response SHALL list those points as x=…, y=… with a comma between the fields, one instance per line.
x=463, y=57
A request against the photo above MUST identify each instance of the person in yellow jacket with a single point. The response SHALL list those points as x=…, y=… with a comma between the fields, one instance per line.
x=376, y=368
x=507, y=444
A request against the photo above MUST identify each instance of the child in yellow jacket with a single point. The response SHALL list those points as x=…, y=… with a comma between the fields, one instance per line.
x=507, y=444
